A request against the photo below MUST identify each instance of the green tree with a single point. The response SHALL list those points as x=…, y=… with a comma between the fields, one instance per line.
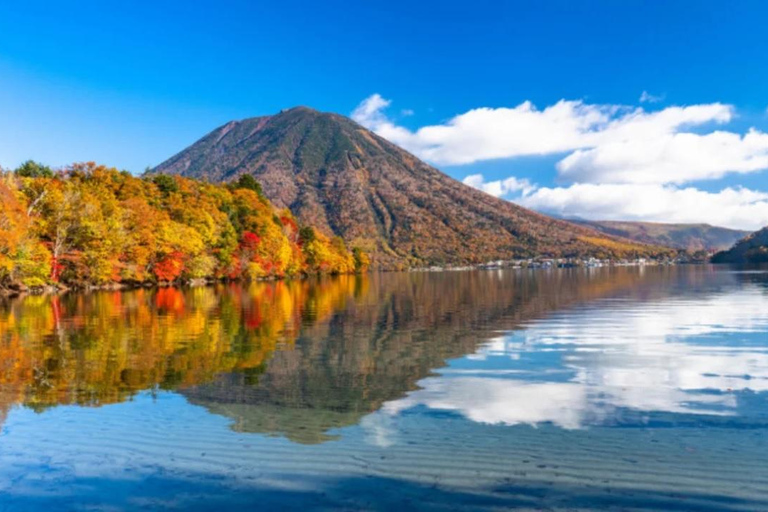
x=166, y=184
x=249, y=182
x=32, y=169
x=307, y=234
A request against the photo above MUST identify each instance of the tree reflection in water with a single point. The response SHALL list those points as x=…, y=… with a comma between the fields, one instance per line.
x=293, y=358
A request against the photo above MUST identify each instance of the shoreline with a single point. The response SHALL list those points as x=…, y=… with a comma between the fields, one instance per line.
x=18, y=290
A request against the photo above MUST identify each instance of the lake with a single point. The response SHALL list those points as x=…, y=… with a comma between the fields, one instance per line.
x=566, y=389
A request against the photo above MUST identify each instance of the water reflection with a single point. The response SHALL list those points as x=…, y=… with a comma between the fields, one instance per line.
x=379, y=347
x=300, y=359
x=102, y=348
x=682, y=350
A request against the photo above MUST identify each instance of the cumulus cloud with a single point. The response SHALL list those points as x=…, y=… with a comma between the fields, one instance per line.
x=737, y=208
x=369, y=110
x=499, y=188
x=486, y=133
x=669, y=158
x=604, y=143
x=370, y=114
x=621, y=162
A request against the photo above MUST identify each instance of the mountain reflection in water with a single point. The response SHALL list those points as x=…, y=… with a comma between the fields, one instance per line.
x=300, y=358
x=620, y=388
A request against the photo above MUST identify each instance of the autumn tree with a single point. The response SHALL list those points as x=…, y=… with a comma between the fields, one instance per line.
x=23, y=258
x=93, y=225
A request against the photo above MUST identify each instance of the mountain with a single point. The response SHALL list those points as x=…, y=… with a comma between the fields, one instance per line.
x=690, y=237
x=750, y=249
x=333, y=173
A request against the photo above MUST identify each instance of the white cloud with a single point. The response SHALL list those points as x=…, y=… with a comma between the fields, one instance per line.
x=668, y=158
x=499, y=188
x=486, y=133
x=737, y=208
x=369, y=114
x=406, y=112
x=605, y=143
x=647, y=97
x=369, y=109
x=622, y=163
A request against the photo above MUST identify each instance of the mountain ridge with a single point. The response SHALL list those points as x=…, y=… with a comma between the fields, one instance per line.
x=753, y=248
x=335, y=174
x=689, y=237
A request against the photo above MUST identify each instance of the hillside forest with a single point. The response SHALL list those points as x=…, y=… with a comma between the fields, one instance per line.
x=88, y=225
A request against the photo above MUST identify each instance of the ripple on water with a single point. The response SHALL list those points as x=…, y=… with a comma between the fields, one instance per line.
x=559, y=390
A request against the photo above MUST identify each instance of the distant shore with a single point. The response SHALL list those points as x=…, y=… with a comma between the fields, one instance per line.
x=546, y=263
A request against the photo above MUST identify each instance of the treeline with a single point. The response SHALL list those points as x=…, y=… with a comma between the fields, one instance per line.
x=89, y=225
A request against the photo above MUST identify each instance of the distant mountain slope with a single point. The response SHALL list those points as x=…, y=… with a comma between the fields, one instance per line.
x=751, y=249
x=335, y=174
x=691, y=237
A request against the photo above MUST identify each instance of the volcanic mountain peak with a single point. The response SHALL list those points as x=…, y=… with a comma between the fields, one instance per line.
x=335, y=174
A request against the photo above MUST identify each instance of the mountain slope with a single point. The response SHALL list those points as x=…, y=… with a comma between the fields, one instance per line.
x=750, y=249
x=690, y=237
x=335, y=174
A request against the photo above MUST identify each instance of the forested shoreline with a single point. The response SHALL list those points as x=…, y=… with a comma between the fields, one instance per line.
x=90, y=226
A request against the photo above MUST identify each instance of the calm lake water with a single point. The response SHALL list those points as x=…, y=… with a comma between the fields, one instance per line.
x=575, y=389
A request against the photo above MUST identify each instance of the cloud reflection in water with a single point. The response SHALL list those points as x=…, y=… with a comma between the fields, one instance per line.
x=612, y=361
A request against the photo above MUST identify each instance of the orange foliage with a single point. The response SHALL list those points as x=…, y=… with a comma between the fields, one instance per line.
x=170, y=267
x=92, y=225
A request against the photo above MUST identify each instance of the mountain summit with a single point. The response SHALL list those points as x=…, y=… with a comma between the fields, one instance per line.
x=346, y=180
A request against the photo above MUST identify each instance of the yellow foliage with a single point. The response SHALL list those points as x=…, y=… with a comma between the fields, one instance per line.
x=99, y=225
x=613, y=247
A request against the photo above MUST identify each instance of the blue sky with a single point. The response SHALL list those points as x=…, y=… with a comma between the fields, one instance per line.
x=130, y=85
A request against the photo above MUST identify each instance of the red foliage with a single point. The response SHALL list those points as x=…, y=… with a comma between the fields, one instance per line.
x=267, y=265
x=116, y=268
x=246, y=252
x=170, y=267
x=56, y=268
x=250, y=241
